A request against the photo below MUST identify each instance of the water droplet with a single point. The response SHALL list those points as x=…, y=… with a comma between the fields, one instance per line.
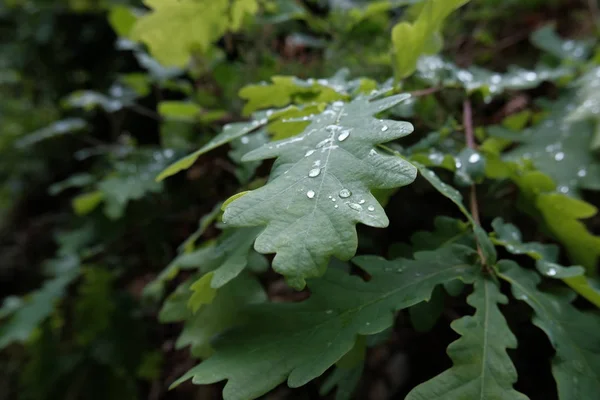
x=354, y=206
x=458, y=164
x=338, y=103
x=372, y=152
x=245, y=140
x=362, y=201
x=496, y=79
x=317, y=163
x=345, y=193
x=551, y=272
x=310, y=194
x=563, y=189
x=371, y=208
x=313, y=173
x=269, y=113
x=474, y=158
x=333, y=199
x=344, y=135
x=309, y=153
x=559, y=156
x=530, y=76
x=582, y=172
x=336, y=206
x=384, y=128
x=323, y=143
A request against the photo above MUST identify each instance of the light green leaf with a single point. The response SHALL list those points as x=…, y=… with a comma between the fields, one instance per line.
x=85, y=203
x=230, y=132
x=320, y=187
x=300, y=341
x=482, y=368
x=223, y=312
x=122, y=19
x=203, y=293
x=574, y=334
x=286, y=90
x=410, y=40
x=179, y=110
x=172, y=31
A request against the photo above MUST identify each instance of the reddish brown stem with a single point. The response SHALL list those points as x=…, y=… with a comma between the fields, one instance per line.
x=425, y=92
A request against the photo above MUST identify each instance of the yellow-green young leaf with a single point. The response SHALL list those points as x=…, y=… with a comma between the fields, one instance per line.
x=87, y=202
x=300, y=341
x=180, y=110
x=175, y=29
x=230, y=132
x=203, y=292
x=122, y=19
x=292, y=120
x=573, y=333
x=286, y=90
x=411, y=40
x=482, y=368
x=320, y=187
x=562, y=214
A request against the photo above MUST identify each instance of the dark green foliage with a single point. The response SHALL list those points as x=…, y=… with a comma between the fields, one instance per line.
x=299, y=199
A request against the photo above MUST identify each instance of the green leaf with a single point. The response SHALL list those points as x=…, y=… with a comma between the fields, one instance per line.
x=59, y=128
x=320, y=187
x=574, y=334
x=560, y=148
x=545, y=38
x=347, y=373
x=223, y=312
x=172, y=32
x=546, y=256
x=487, y=247
x=179, y=110
x=37, y=306
x=245, y=170
x=300, y=341
x=425, y=315
x=482, y=368
x=437, y=72
x=230, y=132
x=410, y=40
x=589, y=109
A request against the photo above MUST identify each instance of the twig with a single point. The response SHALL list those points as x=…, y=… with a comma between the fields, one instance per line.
x=594, y=11
x=425, y=92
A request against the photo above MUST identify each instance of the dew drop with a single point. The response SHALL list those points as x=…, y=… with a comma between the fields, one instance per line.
x=458, y=164
x=354, y=206
x=384, y=128
x=563, y=189
x=582, y=173
x=344, y=135
x=310, y=194
x=474, y=158
x=338, y=103
x=336, y=206
x=309, y=153
x=559, y=156
x=551, y=272
x=362, y=201
x=313, y=173
x=530, y=76
x=245, y=139
x=371, y=208
x=345, y=193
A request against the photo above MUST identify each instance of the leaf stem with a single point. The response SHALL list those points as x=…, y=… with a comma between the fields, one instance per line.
x=425, y=92
x=470, y=139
